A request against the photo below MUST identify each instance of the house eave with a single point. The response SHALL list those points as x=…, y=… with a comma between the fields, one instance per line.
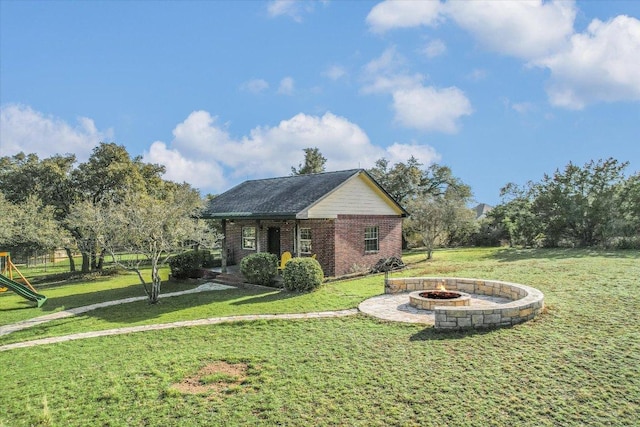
x=250, y=216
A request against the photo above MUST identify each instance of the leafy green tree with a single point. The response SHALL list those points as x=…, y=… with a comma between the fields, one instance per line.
x=402, y=180
x=7, y=222
x=629, y=205
x=514, y=217
x=580, y=204
x=23, y=176
x=29, y=226
x=409, y=180
x=314, y=162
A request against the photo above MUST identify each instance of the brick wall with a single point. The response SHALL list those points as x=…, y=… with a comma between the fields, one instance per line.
x=349, y=237
x=338, y=244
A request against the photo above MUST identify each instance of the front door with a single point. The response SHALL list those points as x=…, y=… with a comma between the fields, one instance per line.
x=273, y=241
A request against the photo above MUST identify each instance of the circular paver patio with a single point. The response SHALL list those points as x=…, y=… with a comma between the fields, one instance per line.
x=396, y=308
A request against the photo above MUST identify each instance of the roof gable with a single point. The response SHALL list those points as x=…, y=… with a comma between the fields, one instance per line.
x=283, y=197
x=359, y=195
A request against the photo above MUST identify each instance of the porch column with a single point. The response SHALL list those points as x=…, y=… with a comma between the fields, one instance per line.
x=257, y=236
x=224, y=246
x=297, y=233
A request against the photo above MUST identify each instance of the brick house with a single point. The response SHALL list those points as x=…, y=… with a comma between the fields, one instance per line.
x=344, y=218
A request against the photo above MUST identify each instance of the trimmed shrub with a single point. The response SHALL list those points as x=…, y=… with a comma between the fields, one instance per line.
x=186, y=265
x=260, y=269
x=302, y=274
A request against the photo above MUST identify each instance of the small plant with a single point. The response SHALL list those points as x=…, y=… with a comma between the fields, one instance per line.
x=260, y=269
x=302, y=274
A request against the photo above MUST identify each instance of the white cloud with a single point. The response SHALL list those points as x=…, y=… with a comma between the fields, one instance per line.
x=335, y=72
x=387, y=73
x=198, y=173
x=391, y=14
x=525, y=29
x=255, y=85
x=30, y=131
x=430, y=108
x=601, y=64
x=434, y=48
x=477, y=74
x=294, y=9
x=286, y=86
x=204, y=154
x=426, y=108
x=425, y=154
x=389, y=62
x=384, y=84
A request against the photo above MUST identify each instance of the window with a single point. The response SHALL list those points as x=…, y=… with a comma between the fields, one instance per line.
x=371, y=239
x=249, y=238
x=305, y=240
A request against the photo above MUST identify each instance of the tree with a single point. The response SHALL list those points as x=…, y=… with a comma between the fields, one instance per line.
x=401, y=181
x=409, y=180
x=440, y=220
x=515, y=218
x=108, y=176
x=314, y=162
x=435, y=199
x=154, y=227
x=29, y=226
x=580, y=204
x=426, y=222
x=35, y=192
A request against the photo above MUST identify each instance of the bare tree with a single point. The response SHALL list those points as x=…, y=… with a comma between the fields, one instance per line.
x=152, y=228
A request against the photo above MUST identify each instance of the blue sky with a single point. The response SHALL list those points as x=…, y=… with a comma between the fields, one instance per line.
x=220, y=92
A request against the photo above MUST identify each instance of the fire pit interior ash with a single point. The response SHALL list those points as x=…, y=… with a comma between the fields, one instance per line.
x=440, y=294
x=427, y=300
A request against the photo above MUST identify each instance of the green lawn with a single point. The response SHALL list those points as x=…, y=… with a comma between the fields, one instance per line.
x=578, y=364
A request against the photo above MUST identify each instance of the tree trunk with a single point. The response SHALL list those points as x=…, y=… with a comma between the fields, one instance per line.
x=85, y=262
x=72, y=263
x=154, y=295
x=101, y=259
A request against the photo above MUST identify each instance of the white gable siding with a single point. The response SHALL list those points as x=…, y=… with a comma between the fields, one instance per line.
x=354, y=197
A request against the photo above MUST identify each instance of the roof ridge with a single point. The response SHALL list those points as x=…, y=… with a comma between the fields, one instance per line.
x=305, y=175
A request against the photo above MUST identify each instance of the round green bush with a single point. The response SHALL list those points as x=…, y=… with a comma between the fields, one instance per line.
x=260, y=269
x=186, y=265
x=302, y=274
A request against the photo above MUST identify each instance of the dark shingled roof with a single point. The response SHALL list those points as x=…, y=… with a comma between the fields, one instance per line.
x=276, y=197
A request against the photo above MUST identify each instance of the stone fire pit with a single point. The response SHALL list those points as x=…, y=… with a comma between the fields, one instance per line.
x=429, y=299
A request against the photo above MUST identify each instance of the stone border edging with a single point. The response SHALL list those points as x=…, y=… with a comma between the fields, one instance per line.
x=526, y=302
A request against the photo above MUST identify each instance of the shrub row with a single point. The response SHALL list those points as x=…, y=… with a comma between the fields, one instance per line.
x=300, y=274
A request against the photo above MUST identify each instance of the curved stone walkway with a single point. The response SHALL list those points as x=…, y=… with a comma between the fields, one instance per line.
x=160, y=326
x=392, y=307
x=24, y=324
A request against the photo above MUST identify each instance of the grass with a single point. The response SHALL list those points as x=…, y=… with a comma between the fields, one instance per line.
x=578, y=364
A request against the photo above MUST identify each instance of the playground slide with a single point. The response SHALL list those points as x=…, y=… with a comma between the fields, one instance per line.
x=22, y=290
